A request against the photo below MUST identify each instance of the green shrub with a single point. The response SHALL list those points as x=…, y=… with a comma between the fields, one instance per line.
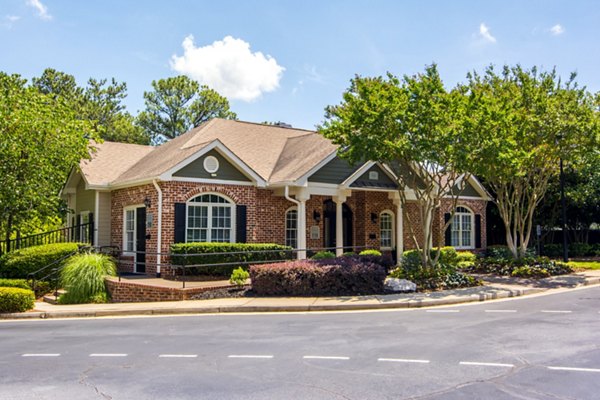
x=580, y=249
x=18, y=283
x=596, y=250
x=239, y=276
x=13, y=299
x=466, y=256
x=530, y=272
x=349, y=254
x=552, y=250
x=216, y=253
x=370, y=252
x=18, y=264
x=448, y=257
x=435, y=278
x=323, y=255
x=83, y=278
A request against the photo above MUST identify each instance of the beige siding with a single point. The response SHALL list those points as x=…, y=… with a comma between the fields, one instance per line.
x=86, y=199
x=103, y=219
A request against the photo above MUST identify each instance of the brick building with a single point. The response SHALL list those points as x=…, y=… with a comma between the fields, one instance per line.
x=236, y=181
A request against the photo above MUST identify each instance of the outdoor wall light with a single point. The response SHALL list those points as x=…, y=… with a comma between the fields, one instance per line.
x=373, y=218
x=147, y=202
x=316, y=216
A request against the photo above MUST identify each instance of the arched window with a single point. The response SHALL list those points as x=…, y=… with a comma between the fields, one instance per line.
x=291, y=228
x=210, y=219
x=462, y=229
x=386, y=229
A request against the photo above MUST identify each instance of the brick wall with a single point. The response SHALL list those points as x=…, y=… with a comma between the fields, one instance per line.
x=266, y=214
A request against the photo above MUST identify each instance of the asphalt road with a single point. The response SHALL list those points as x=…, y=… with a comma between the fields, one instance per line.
x=544, y=347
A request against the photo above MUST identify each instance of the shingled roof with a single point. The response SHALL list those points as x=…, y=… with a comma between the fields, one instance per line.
x=276, y=154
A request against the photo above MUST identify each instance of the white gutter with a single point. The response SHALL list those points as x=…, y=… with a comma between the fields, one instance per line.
x=159, y=238
x=301, y=207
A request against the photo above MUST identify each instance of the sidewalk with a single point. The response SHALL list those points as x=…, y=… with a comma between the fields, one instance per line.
x=494, y=288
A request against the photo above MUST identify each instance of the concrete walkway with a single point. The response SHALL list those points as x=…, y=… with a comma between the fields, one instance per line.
x=493, y=288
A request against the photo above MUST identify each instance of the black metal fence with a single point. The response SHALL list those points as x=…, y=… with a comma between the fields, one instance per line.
x=83, y=233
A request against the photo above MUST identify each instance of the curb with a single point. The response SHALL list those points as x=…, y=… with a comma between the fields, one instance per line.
x=421, y=303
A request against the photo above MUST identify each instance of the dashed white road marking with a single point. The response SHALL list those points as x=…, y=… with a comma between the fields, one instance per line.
x=501, y=311
x=326, y=358
x=40, y=355
x=486, y=364
x=557, y=311
x=575, y=369
x=178, y=355
x=403, y=360
x=249, y=356
x=443, y=311
x=108, y=355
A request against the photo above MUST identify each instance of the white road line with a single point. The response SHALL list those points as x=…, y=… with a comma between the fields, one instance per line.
x=178, y=355
x=108, y=355
x=403, y=360
x=443, y=311
x=248, y=356
x=40, y=355
x=325, y=358
x=500, y=311
x=557, y=311
x=484, y=364
x=575, y=369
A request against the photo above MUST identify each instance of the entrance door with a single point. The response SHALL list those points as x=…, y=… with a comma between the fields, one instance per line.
x=329, y=222
x=140, y=239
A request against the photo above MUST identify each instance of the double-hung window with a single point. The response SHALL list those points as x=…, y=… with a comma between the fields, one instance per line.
x=291, y=228
x=386, y=229
x=210, y=219
x=462, y=229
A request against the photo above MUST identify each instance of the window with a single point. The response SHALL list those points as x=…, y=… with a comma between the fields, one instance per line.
x=130, y=230
x=209, y=219
x=462, y=229
x=84, y=228
x=386, y=229
x=291, y=228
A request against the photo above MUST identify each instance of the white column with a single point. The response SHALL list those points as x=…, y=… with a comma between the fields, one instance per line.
x=302, y=228
x=339, y=224
x=399, y=230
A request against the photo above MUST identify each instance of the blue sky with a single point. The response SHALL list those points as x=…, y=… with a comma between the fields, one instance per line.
x=287, y=60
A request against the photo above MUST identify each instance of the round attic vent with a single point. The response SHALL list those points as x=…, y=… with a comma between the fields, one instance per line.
x=211, y=164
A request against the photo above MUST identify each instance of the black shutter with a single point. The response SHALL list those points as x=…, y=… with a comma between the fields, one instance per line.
x=477, y=231
x=179, y=223
x=448, y=233
x=240, y=224
x=90, y=229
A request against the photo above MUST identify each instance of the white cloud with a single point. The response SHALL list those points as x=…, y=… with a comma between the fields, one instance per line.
x=9, y=20
x=557, y=30
x=484, y=33
x=41, y=9
x=229, y=67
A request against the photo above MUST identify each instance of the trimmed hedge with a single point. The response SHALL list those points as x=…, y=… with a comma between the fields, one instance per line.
x=18, y=283
x=323, y=255
x=342, y=276
x=245, y=252
x=14, y=299
x=448, y=257
x=18, y=264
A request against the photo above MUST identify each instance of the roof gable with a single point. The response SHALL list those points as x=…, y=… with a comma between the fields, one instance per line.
x=226, y=169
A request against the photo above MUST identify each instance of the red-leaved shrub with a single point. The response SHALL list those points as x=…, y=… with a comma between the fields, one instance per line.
x=343, y=276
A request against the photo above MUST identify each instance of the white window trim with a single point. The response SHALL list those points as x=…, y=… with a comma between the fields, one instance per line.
x=393, y=239
x=472, y=214
x=85, y=213
x=293, y=208
x=134, y=209
x=231, y=204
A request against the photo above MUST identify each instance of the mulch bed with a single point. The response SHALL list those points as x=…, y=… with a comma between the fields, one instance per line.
x=223, y=293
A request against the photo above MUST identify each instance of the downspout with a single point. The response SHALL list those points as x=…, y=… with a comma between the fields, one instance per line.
x=301, y=227
x=159, y=238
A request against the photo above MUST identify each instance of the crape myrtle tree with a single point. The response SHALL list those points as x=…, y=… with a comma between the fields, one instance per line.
x=41, y=138
x=178, y=104
x=531, y=120
x=415, y=126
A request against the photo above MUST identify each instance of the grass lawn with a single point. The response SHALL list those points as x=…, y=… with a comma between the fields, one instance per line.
x=585, y=264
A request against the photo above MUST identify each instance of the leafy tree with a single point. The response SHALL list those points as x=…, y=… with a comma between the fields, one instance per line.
x=100, y=102
x=531, y=120
x=41, y=138
x=178, y=104
x=414, y=126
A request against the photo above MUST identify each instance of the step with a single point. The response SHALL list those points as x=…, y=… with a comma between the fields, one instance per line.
x=51, y=298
